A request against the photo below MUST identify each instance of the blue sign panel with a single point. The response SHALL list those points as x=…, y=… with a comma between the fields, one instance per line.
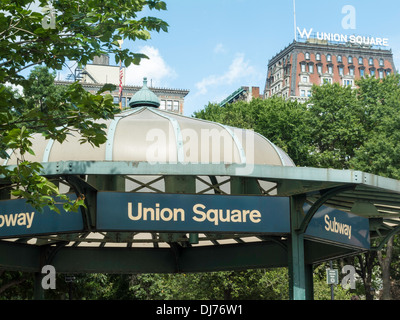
x=17, y=218
x=339, y=227
x=192, y=213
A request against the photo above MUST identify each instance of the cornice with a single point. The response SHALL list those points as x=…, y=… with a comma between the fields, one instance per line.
x=183, y=92
x=334, y=48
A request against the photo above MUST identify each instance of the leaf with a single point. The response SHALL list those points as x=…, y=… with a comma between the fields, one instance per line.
x=106, y=87
x=84, y=30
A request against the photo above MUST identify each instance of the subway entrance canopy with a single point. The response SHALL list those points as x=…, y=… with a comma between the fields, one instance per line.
x=168, y=193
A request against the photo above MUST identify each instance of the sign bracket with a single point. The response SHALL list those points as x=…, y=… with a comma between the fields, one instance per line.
x=320, y=202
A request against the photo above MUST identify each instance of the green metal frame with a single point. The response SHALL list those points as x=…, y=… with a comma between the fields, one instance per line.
x=336, y=188
x=320, y=202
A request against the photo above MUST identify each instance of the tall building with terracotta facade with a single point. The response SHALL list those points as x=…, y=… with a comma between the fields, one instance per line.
x=293, y=71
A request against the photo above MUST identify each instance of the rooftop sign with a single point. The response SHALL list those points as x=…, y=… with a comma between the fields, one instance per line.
x=343, y=38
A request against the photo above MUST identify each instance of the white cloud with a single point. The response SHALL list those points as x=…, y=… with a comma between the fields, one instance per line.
x=15, y=87
x=220, y=48
x=238, y=71
x=155, y=69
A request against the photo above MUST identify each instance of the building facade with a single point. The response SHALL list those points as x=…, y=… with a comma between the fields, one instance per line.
x=242, y=94
x=94, y=76
x=293, y=71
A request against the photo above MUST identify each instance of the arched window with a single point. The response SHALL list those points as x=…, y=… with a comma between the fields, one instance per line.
x=350, y=59
x=371, y=61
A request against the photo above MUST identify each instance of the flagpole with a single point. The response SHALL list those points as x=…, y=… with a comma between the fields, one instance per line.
x=120, y=88
x=294, y=18
x=120, y=76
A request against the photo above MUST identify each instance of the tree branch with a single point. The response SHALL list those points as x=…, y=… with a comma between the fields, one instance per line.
x=11, y=284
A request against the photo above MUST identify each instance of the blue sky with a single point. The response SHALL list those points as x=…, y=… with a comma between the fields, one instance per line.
x=213, y=47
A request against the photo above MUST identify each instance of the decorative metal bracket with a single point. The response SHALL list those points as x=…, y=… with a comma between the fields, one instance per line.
x=320, y=202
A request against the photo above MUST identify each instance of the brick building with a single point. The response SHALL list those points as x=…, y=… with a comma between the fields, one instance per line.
x=293, y=71
x=242, y=94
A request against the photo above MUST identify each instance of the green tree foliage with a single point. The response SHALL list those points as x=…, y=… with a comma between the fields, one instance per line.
x=254, y=285
x=15, y=285
x=240, y=285
x=322, y=290
x=380, y=152
x=336, y=124
x=282, y=122
x=338, y=127
x=82, y=30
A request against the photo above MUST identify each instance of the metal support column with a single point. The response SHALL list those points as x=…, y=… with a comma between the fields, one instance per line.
x=309, y=271
x=243, y=185
x=38, y=291
x=46, y=256
x=297, y=268
x=181, y=184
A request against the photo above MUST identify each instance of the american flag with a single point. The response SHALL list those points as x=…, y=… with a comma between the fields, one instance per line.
x=121, y=74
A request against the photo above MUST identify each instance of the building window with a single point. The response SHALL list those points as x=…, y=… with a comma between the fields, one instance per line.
x=347, y=82
x=169, y=105
x=176, y=106
x=318, y=57
x=362, y=72
x=381, y=62
x=372, y=72
x=303, y=67
x=371, y=61
x=350, y=59
x=339, y=58
x=330, y=69
x=302, y=93
x=326, y=80
x=341, y=71
x=307, y=55
x=319, y=69
x=329, y=58
x=381, y=74
x=304, y=79
x=311, y=68
x=351, y=71
x=162, y=104
x=360, y=61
